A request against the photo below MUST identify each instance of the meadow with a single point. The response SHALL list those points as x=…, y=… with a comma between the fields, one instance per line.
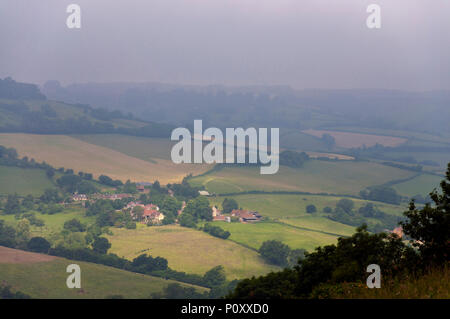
x=69, y=152
x=351, y=140
x=23, y=181
x=282, y=206
x=254, y=234
x=47, y=279
x=188, y=250
x=420, y=185
x=333, y=177
x=53, y=223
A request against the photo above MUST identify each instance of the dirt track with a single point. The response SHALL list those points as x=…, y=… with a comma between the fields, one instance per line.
x=14, y=256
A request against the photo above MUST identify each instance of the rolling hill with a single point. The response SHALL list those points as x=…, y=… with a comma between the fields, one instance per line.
x=43, y=276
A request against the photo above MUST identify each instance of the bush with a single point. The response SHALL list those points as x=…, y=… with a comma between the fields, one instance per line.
x=311, y=209
x=38, y=245
x=275, y=252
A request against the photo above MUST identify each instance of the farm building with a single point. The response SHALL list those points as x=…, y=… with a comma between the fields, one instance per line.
x=246, y=216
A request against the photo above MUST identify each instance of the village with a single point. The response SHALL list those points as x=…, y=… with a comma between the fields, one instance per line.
x=150, y=213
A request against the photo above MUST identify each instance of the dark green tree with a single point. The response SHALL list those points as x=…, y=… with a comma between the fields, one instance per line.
x=275, y=252
x=430, y=226
x=101, y=245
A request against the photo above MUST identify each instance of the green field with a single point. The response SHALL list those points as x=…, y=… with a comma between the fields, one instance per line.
x=188, y=250
x=342, y=177
x=23, y=181
x=420, y=185
x=279, y=206
x=253, y=235
x=53, y=223
x=48, y=280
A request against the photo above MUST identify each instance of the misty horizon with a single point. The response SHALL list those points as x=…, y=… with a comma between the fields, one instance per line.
x=308, y=45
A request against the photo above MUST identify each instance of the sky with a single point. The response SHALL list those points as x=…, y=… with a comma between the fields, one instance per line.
x=301, y=43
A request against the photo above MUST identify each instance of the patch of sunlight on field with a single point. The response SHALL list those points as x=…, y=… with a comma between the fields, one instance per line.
x=69, y=152
x=188, y=250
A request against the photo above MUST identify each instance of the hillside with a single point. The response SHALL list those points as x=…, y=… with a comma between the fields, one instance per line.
x=43, y=276
x=73, y=152
x=189, y=250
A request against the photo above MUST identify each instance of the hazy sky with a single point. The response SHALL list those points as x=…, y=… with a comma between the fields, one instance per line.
x=302, y=43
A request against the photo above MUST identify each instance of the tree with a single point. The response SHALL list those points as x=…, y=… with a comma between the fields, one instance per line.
x=23, y=231
x=170, y=206
x=214, y=277
x=28, y=202
x=311, y=209
x=74, y=225
x=138, y=212
x=430, y=226
x=12, y=205
x=199, y=208
x=346, y=205
x=187, y=220
x=229, y=204
x=38, y=245
x=7, y=235
x=275, y=252
x=101, y=245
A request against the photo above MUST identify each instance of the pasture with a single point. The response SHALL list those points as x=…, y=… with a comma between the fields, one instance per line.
x=53, y=223
x=351, y=140
x=332, y=177
x=420, y=185
x=254, y=234
x=69, y=152
x=43, y=276
x=23, y=181
x=188, y=250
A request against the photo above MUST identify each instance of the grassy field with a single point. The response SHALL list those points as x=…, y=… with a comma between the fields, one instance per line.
x=281, y=206
x=350, y=140
x=69, y=152
x=53, y=223
x=48, y=280
x=144, y=148
x=253, y=235
x=188, y=250
x=342, y=177
x=23, y=181
x=421, y=185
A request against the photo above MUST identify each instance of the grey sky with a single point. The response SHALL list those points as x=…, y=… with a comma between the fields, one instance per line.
x=303, y=43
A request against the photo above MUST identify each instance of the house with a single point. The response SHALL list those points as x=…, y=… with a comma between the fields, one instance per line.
x=140, y=188
x=398, y=231
x=216, y=211
x=246, y=216
x=219, y=218
x=79, y=197
x=203, y=193
x=152, y=215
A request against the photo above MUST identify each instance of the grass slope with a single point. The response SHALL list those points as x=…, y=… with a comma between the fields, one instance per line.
x=48, y=279
x=23, y=181
x=189, y=250
x=69, y=152
x=253, y=235
x=342, y=177
x=421, y=185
